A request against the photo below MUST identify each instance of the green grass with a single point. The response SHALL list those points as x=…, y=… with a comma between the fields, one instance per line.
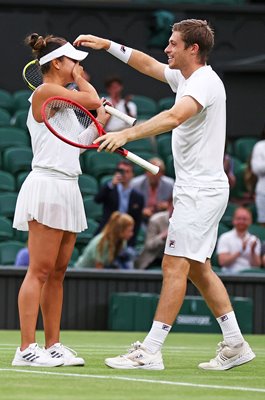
x=182, y=378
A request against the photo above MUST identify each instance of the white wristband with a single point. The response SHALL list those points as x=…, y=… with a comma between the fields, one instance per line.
x=119, y=51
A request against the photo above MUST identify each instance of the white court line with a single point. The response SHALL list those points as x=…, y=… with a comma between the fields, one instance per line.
x=124, y=378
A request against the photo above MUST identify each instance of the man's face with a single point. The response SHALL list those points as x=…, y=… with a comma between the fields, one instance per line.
x=176, y=52
x=242, y=220
x=126, y=173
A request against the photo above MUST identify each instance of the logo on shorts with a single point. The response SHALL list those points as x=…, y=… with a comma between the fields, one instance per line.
x=123, y=49
x=224, y=318
x=172, y=244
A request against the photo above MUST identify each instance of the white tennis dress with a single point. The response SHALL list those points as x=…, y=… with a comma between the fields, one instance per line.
x=201, y=188
x=50, y=194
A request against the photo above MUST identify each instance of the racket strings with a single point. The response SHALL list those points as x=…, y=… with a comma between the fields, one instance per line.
x=33, y=75
x=71, y=122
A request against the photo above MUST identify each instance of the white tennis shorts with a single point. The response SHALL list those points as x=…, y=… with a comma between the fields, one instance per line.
x=193, y=226
x=51, y=198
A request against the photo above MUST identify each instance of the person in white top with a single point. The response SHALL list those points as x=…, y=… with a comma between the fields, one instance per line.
x=200, y=195
x=258, y=167
x=114, y=88
x=49, y=205
x=237, y=249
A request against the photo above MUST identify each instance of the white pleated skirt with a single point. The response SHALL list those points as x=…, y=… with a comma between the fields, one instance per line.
x=51, y=198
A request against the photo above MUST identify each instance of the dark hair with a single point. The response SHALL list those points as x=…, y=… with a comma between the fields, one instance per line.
x=43, y=45
x=111, y=79
x=196, y=31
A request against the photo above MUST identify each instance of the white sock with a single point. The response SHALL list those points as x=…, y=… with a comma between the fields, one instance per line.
x=231, y=331
x=156, y=336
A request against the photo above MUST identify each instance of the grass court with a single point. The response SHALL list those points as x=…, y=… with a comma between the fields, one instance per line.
x=180, y=380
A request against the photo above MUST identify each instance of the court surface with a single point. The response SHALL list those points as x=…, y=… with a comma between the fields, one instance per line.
x=180, y=380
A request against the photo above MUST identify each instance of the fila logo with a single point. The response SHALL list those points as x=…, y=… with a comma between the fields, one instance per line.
x=224, y=318
x=172, y=244
x=165, y=327
x=123, y=49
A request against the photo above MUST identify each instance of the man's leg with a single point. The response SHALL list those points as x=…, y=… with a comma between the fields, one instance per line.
x=147, y=355
x=234, y=350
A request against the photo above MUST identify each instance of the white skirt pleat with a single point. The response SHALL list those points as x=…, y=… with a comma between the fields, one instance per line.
x=51, y=198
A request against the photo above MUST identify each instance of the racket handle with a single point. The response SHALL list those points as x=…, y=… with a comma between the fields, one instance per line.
x=154, y=169
x=117, y=113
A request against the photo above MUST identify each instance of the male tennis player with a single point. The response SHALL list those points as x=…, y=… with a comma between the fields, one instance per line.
x=200, y=196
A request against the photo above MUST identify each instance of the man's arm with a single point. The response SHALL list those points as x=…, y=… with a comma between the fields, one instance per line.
x=165, y=121
x=136, y=59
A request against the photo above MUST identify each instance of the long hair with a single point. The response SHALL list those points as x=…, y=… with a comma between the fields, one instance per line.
x=112, y=232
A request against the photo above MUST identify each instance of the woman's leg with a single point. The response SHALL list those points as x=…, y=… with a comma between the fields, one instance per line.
x=43, y=243
x=52, y=291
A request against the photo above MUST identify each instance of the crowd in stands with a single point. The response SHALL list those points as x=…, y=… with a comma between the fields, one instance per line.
x=113, y=189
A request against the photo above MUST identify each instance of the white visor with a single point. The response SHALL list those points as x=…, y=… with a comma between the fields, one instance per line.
x=66, y=50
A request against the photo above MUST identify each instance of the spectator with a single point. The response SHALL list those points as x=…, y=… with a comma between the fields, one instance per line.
x=114, y=88
x=258, y=167
x=104, y=249
x=155, y=241
x=263, y=255
x=156, y=189
x=229, y=170
x=237, y=249
x=22, y=257
x=118, y=195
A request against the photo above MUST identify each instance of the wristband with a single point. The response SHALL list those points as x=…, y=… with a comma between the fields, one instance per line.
x=119, y=51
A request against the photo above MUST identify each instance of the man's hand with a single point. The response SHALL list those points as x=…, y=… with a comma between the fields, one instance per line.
x=93, y=42
x=111, y=141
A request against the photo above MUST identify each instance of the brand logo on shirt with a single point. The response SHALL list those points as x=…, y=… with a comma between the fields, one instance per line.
x=172, y=244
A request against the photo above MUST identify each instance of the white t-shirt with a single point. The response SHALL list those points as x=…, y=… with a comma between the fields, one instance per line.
x=230, y=242
x=198, y=144
x=51, y=153
x=116, y=124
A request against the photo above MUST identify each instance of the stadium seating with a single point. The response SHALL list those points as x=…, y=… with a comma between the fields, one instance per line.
x=5, y=117
x=84, y=237
x=6, y=100
x=6, y=230
x=165, y=103
x=146, y=107
x=9, y=250
x=258, y=231
x=7, y=204
x=17, y=159
x=21, y=176
x=19, y=119
x=7, y=182
x=140, y=145
x=243, y=148
x=228, y=214
x=12, y=136
x=93, y=210
x=88, y=184
x=99, y=164
x=21, y=99
x=164, y=145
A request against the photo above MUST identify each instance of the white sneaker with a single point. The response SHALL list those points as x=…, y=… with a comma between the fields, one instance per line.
x=34, y=356
x=229, y=357
x=137, y=357
x=67, y=355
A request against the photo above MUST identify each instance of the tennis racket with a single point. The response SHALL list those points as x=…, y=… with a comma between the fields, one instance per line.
x=76, y=126
x=32, y=76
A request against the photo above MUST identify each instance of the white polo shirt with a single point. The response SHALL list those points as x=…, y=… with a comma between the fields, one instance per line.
x=198, y=144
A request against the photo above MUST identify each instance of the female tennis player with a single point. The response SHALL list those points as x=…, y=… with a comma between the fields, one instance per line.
x=50, y=205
